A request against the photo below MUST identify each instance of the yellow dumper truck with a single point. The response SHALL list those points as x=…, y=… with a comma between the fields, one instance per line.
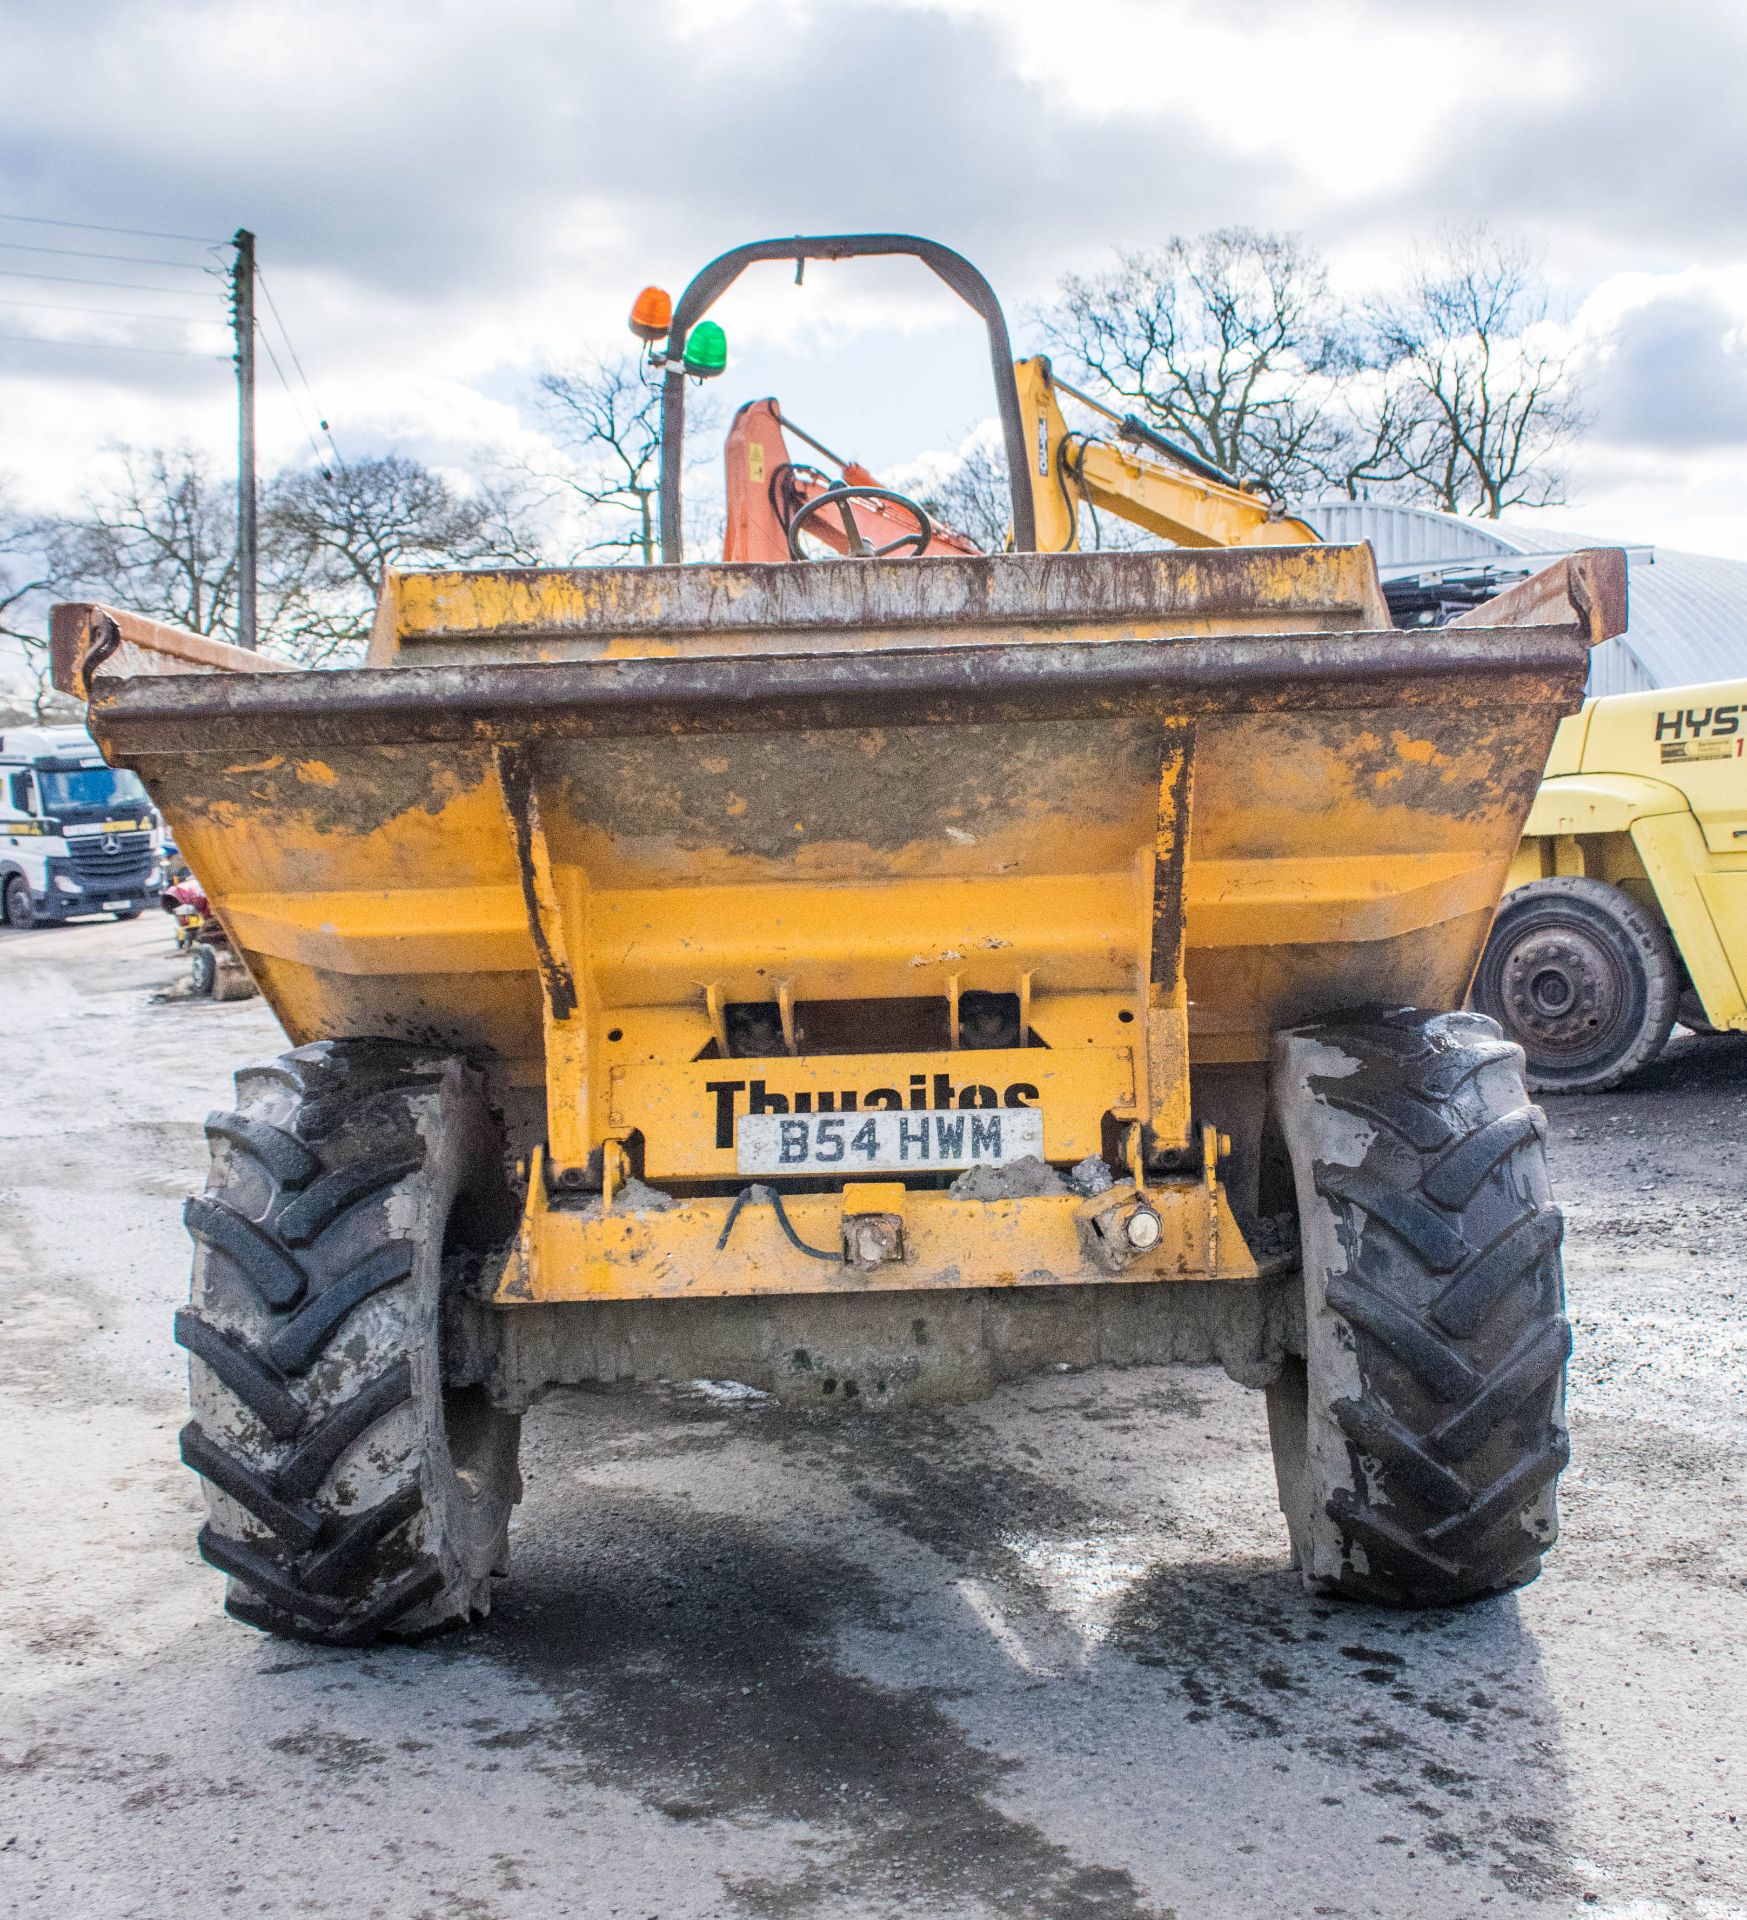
x=870, y=980
x=1626, y=906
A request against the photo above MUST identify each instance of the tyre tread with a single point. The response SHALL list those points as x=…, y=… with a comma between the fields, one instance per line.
x=307, y=1216
x=290, y=1163
x=329, y=1128
x=257, y=1383
x=277, y=1276
x=1451, y=1293
x=305, y=1336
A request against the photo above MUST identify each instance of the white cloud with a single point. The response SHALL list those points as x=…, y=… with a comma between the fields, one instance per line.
x=449, y=197
x=1663, y=358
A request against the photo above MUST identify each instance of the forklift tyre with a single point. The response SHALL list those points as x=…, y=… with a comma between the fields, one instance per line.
x=202, y=972
x=1418, y=1439
x=1582, y=979
x=349, y=1491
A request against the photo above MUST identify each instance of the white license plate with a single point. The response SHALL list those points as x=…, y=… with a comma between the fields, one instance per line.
x=883, y=1142
x=116, y=906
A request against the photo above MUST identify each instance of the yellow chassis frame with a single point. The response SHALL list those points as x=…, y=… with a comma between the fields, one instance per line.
x=706, y=1248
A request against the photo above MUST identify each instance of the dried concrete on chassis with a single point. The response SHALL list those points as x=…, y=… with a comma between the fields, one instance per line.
x=893, y=1349
x=1039, y=1659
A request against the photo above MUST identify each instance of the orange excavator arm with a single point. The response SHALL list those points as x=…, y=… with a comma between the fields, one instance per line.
x=766, y=488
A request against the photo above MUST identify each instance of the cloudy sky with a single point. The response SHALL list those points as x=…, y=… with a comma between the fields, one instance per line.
x=450, y=196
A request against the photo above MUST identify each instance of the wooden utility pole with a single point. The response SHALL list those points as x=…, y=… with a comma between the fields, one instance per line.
x=243, y=321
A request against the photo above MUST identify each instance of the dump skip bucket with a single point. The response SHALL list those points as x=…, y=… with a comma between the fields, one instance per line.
x=669, y=850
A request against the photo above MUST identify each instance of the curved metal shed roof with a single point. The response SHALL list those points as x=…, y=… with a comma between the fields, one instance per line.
x=1407, y=537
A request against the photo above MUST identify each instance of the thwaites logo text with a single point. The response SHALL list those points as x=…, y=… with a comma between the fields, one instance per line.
x=741, y=1096
x=1690, y=723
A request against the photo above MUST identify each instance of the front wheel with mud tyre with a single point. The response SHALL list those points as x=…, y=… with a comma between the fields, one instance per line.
x=1582, y=979
x=1418, y=1439
x=350, y=1490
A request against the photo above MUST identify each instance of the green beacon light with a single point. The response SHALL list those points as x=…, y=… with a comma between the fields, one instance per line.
x=706, y=350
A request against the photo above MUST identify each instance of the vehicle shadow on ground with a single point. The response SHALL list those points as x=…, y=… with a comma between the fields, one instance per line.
x=697, y=1660
x=690, y=1659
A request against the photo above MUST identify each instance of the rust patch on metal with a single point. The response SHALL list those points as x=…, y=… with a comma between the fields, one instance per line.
x=377, y=783
x=774, y=797
x=1173, y=848
x=522, y=808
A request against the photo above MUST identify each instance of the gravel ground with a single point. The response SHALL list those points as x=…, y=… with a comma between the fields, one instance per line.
x=1039, y=1657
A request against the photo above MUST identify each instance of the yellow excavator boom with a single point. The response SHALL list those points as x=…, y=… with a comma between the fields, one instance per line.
x=1166, y=496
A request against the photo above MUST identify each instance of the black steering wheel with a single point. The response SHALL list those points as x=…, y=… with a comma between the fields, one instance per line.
x=840, y=497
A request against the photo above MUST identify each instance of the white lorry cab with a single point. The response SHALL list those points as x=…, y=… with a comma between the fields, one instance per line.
x=76, y=835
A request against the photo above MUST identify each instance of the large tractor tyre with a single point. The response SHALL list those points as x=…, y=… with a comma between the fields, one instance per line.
x=349, y=1491
x=20, y=912
x=1418, y=1440
x=1583, y=980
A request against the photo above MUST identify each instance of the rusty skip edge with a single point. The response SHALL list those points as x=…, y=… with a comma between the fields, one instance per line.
x=951, y=590
x=965, y=592
x=1037, y=591
x=1593, y=584
x=85, y=637
x=959, y=685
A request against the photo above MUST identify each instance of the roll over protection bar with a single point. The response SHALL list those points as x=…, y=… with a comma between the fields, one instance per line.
x=714, y=280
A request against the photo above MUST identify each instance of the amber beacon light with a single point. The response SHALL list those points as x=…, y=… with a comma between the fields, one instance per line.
x=652, y=313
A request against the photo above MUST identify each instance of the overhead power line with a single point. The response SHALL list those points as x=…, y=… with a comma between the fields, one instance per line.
x=134, y=286
x=290, y=348
x=137, y=233
x=79, y=280
x=126, y=259
x=111, y=346
x=273, y=308
x=116, y=313
x=297, y=411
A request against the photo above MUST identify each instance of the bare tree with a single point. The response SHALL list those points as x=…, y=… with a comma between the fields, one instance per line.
x=1446, y=392
x=1369, y=421
x=157, y=536
x=330, y=536
x=26, y=588
x=605, y=417
x=1229, y=342
x=971, y=492
x=1482, y=403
